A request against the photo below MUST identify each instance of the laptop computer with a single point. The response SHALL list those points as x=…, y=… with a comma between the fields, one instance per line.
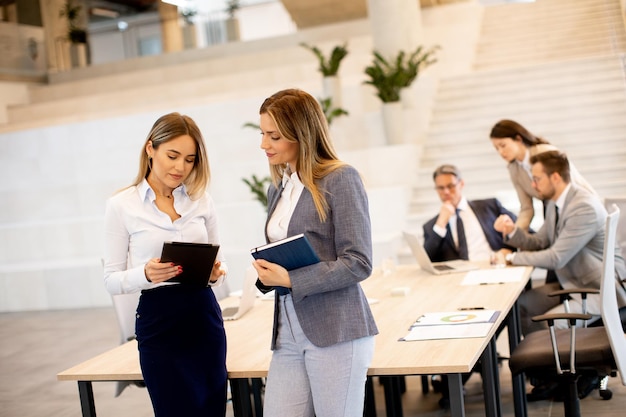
x=248, y=297
x=437, y=268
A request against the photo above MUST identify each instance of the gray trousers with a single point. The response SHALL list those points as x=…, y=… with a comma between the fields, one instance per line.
x=305, y=380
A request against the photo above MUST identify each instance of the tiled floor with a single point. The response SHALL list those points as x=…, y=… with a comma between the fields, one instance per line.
x=34, y=346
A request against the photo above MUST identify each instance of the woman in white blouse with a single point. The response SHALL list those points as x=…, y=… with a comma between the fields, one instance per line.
x=179, y=327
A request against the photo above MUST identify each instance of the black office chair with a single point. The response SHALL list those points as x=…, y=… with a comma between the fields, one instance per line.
x=567, y=354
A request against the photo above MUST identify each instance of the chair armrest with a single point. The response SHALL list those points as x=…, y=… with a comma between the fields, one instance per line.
x=572, y=317
x=582, y=291
x=564, y=296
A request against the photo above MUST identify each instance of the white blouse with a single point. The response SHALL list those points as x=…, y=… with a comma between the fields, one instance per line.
x=279, y=222
x=135, y=229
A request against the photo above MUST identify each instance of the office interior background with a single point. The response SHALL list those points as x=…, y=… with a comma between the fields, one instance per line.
x=72, y=122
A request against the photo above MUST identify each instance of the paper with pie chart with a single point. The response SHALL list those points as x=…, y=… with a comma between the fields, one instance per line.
x=452, y=325
x=457, y=317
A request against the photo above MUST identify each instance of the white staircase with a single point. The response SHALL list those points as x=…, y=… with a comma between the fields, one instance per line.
x=522, y=34
x=555, y=66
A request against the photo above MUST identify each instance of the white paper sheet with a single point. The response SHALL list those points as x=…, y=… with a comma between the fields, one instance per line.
x=456, y=318
x=494, y=276
x=458, y=331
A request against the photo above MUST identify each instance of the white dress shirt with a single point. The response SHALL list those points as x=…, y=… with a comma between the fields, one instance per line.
x=135, y=230
x=478, y=248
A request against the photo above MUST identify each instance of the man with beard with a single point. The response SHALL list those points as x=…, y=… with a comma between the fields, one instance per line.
x=570, y=241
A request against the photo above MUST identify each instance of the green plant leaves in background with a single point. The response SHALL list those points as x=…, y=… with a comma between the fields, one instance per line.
x=389, y=77
x=328, y=67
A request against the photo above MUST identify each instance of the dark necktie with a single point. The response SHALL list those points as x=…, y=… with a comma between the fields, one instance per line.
x=556, y=219
x=460, y=233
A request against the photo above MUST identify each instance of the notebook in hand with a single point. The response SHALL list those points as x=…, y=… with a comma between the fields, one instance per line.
x=290, y=253
x=437, y=268
x=248, y=297
x=197, y=260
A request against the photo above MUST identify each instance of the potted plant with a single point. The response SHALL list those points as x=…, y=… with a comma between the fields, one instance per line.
x=232, y=24
x=76, y=35
x=389, y=78
x=258, y=187
x=330, y=111
x=189, y=29
x=71, y=12
x=329, y=68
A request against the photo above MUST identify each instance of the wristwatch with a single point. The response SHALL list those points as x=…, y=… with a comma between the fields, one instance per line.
x=509, y=258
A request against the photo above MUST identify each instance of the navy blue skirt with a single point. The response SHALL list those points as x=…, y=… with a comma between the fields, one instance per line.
x=182, y=351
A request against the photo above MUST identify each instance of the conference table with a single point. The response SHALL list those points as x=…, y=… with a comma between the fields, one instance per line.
x=397, y=299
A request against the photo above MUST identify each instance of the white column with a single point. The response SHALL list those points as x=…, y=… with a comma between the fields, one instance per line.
x=396, y=25
x=55, y=29
x=171, y=34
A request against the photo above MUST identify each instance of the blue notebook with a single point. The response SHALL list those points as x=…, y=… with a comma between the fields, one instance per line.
x=290, y=253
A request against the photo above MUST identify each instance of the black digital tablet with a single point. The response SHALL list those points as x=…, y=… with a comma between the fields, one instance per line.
x=197, y=260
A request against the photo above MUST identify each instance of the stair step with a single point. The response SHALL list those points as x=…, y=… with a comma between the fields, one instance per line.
x=565, y=82
x=587, y=34
x=582, y=67
x=549, y=30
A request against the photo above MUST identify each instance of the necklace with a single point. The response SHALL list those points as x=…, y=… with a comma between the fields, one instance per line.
x=158, y=193
x=163, y=195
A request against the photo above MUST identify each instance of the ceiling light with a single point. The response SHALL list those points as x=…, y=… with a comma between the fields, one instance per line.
x=99, y=11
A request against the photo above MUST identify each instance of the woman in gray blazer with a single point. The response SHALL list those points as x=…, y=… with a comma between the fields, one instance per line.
x=517, y=145
x=323, y=337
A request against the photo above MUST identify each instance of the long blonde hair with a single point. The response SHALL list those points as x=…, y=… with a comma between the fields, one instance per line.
x=299, y=118
x=166, y=128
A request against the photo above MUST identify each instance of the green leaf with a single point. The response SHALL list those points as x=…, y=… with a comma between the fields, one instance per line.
x=251, y=125
x=328, y=67
x=258, y=188
x=329, y=111
x=390, y=77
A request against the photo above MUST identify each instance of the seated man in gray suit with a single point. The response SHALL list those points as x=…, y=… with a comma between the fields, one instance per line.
x=446, y=237
x=570, y=241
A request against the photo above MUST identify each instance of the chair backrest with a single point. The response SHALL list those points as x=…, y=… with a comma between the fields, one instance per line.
x=620, y=234
x=125, y=309
x=609, y=308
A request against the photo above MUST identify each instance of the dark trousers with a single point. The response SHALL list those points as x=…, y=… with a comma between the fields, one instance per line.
x=535, y=302
x=182, y=351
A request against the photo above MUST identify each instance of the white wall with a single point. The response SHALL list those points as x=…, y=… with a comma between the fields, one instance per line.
x=57, y=178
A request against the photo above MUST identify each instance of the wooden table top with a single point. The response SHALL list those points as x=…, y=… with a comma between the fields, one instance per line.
x=248, y=339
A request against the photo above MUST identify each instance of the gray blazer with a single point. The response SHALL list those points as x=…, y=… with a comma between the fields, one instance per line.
x=523, y=185
x=328, y=299
x=576, y=254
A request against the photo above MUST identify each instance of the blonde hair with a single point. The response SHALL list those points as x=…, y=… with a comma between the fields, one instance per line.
x=299, y=118
x=166, y=128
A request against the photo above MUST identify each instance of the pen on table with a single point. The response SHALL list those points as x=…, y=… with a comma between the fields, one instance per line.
x=491, y=283
x=470, y=308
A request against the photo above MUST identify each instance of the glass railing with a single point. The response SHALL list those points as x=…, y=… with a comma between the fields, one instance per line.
x=22, y=51
x=127, y=37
